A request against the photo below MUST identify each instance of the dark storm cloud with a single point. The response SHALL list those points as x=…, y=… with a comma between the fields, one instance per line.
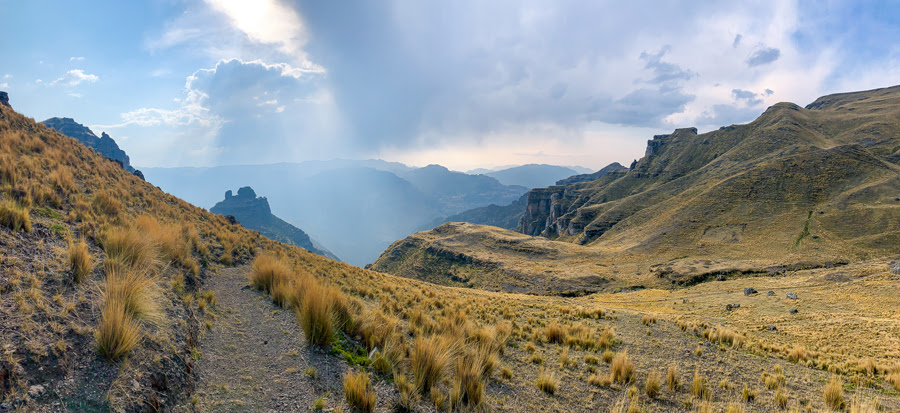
x=410, y=72
x=763, y=56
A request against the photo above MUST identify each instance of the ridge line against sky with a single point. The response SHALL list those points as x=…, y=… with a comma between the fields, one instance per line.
x=464, y=84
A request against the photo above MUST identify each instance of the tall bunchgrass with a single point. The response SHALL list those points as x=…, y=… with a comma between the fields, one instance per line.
x=135, y=290
x=428, y=358
x=129, y=247
x=358, y=391
x=14, y=217
x=117, y=333
x=834, y=393
x=266, y=271
x=80, y=261
x=316, y=314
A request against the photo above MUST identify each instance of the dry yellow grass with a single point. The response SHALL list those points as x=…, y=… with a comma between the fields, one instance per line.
x=698, y=386
x=135, y=290
x=547, y=381
x=428, y=358
x=622, y=368
x=117, y=333
x=14, y=216
x=268, y=271
x=129, y=247
x=672, y=381
x=80, y=261
x=834, y=393
x=651, y=386
x=316, y=315
x=358, y=391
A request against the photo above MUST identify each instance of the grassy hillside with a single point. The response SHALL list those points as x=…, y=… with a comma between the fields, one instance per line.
x=818, y=183
x=117, y=319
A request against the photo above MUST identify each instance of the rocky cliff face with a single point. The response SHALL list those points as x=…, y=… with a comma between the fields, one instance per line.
x=758, y=177
x=4, y=99
x=104, y=145
x=254, y=213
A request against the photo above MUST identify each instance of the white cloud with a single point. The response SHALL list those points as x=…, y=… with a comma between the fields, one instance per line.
x=74, y=77
x=76, y=58
x=270, y=22
x=4, y=84
x=75, y=95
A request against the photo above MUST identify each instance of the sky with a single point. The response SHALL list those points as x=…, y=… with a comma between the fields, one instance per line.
x=463, y=83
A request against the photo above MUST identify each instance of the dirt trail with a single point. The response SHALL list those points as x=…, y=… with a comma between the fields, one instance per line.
x=255, y=356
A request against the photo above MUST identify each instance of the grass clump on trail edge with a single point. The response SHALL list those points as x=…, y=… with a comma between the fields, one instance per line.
x=267, y=272
x=117, y=333
x=427, y=359
x=358, y=391
x=316, y=314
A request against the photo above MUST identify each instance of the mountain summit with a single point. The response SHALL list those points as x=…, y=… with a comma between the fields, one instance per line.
x=254, y=213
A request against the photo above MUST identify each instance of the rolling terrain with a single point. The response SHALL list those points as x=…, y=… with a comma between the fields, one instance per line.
x=115, y=296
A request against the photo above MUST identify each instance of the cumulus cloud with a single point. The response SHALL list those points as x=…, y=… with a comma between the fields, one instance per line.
x=74, y=77
x=242, y=110
x=763, y=56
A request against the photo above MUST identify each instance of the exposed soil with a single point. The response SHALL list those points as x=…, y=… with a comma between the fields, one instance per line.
x=255, y=357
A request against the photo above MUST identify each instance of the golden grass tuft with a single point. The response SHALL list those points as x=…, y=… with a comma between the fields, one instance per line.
x=106, y=203
x=117, y=333
x=136, y=291
x=428, y=358
x=547, y=381
x=358, y=391
x=316, y=314
x=672, y=379
x=129, y=247
x=622, y=369
x=894, y=377
x=651, y=386
x=555, y=333
x=834, y=393
x=798, y=354
x=698, y=386
x=780, y=398
x=14, y=216
x=80, y=261
x=267, y=271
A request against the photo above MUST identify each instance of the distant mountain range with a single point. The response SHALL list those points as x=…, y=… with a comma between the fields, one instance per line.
x=356, y=208
x=534, y=175
x=254, y=213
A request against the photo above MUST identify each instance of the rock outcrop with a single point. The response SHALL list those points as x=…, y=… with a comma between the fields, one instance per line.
x=254, y=213
x=104, y=145
x=4, y=99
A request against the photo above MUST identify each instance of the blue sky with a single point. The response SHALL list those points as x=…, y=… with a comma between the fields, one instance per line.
x=465, y=83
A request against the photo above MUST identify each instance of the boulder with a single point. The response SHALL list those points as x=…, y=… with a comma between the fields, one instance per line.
x=793, y=310
x=730, y=307
x=771, y=327
x=749, y=291
x=895, y=267
x=770, y=293
x=4, y=99
x=791, y=296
